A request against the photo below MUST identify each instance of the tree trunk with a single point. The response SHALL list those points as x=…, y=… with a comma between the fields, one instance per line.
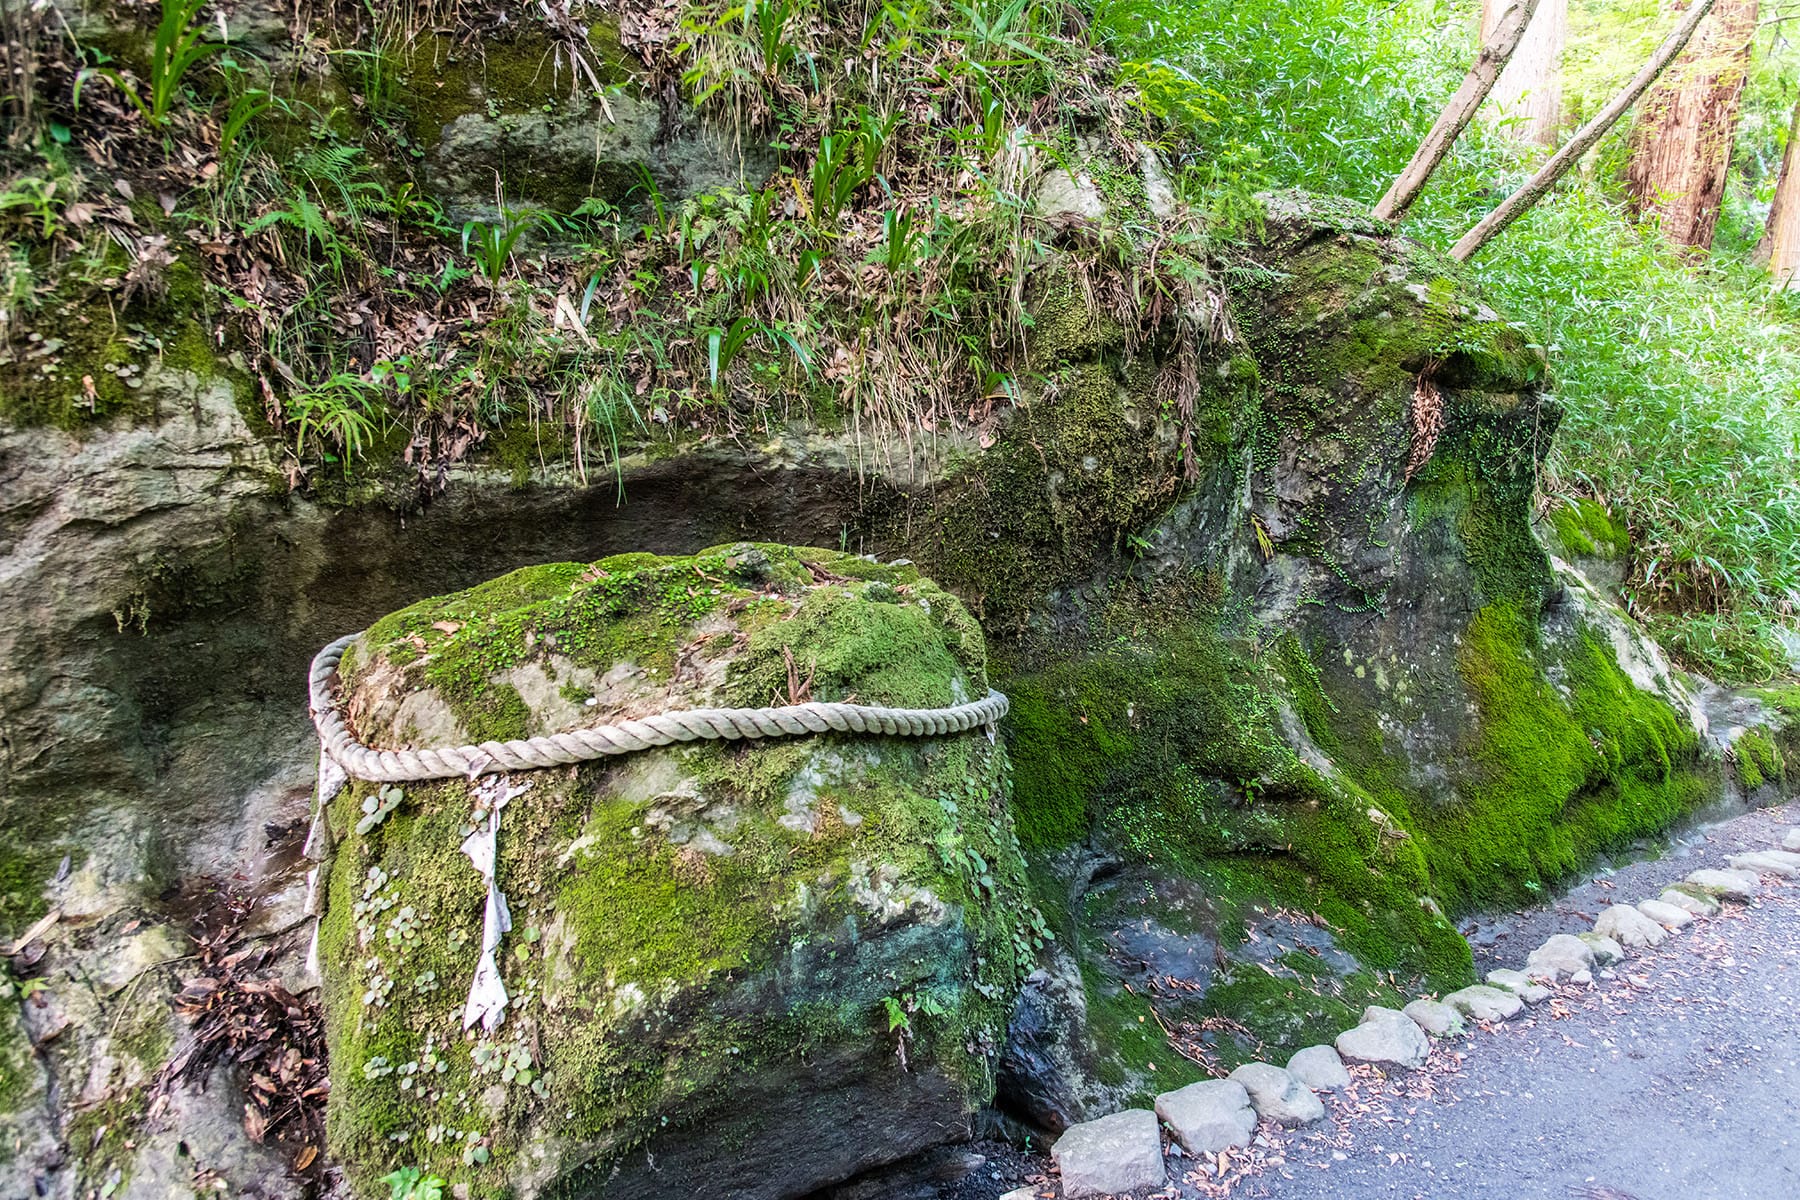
x=1497, y=46
x=1530, y=89
x=1514, y=205
x=1681, y=148
x=1779, y=249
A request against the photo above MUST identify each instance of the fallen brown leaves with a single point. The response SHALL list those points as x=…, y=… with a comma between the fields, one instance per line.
x=254, y=1026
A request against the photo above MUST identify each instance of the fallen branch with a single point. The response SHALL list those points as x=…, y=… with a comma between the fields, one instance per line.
x=1516, y=204
x=1508, y=32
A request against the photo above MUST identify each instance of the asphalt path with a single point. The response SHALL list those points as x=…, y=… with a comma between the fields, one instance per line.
x=1673, y=1076
x=1676, y=1079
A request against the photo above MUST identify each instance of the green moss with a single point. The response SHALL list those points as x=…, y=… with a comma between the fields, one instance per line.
x=523, y=448
x=1758, y=760
x=111, y=352
x=104, y=1135
x=20, y=1074
x=1294, y=1005
x=1554, y=781
x=26, y=866
x=1083, y=464
x=1164, y=744
x=1129, y=1047
x=656, y=898
x=1587, y=530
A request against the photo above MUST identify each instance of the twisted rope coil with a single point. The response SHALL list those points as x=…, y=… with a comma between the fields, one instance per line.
x=583, y=745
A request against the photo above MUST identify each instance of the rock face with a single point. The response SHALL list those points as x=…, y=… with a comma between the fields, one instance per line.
x=164, y=589
x=511, y=108
x=1044, y=1064
x=770, y=964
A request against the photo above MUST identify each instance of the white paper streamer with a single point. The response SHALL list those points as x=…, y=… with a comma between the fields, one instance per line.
x=487, y=993
x=318, y=847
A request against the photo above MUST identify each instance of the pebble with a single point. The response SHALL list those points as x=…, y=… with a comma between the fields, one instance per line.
x=1630, y=927
x=1435, y=1018
x=1791, y=840
x=1278, y=1096
x=1119, y=1153
x=1733, y=885
x=1664, y=913
x=1387, y=1037
x=1319, y=1068
x=1208, y=1116
x=1484, y=1003
x=1584, y=977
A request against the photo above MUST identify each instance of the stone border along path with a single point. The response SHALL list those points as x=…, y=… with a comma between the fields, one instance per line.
x=1212, y=1124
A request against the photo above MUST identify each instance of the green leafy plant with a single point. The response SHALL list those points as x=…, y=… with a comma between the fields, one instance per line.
x=902, y=239
x=845, y=164
x=407, y=1183
x=490, y=246
x=246, y=106
x=37, y=198
x=176, y=49
x=343, y=412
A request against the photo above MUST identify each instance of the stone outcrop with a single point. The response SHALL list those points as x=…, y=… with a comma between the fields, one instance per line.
x=771, y=964
x=1291, y=690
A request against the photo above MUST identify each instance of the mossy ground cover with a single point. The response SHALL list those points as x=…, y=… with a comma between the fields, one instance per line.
x=657, y=899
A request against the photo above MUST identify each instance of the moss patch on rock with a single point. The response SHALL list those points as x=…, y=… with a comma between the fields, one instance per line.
x=1587, y=530
x=1165, y=744
x=723, y=935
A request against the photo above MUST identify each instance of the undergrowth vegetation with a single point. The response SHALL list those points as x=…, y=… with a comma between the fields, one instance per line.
x=870, y=280
x=870, y=268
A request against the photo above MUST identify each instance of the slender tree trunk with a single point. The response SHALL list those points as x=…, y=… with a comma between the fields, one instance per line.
x=1780, y=245
x=1530, y=89
x=1497, y=46
x=1681, y=147
x=1584, y=139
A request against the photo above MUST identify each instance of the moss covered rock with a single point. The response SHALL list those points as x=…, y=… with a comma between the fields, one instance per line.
x=1332, y=691
x=521, y=109
x=771, y=965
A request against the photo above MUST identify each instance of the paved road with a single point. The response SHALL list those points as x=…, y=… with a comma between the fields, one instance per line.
x=1676, y=1079
x=1679, y=1079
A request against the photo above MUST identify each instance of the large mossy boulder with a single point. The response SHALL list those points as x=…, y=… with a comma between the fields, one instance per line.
x=1329, y=694
x=767, y=966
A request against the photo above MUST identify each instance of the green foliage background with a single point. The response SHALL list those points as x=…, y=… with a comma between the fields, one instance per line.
x=1681, y=380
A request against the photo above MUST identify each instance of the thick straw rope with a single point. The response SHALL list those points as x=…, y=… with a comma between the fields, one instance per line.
x=581, y=745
